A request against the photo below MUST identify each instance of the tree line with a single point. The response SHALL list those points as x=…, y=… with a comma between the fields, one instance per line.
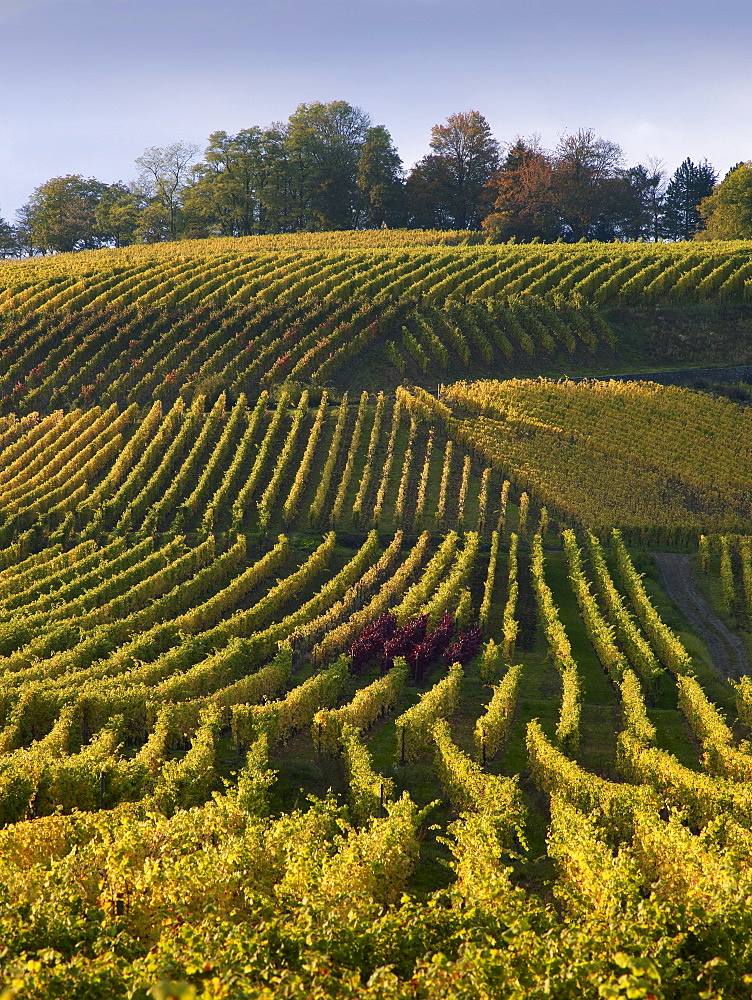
x=330, y=168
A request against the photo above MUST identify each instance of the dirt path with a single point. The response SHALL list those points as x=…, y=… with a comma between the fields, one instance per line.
x=727, y=650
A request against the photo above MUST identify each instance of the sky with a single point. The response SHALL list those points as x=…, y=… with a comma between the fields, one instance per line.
x=87, y=85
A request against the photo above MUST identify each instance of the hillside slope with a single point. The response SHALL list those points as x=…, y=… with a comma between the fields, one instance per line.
x=141, y=323
x=317, y=684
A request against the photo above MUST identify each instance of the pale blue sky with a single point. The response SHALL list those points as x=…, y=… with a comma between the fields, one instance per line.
x=88, y=84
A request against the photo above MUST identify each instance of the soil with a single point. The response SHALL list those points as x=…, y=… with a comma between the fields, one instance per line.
x=726, y=649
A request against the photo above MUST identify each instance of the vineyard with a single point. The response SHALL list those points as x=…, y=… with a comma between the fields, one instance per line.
x=318, y=684
x=155, y=323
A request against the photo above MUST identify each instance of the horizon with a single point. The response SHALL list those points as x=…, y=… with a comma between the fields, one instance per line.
x=182, y=74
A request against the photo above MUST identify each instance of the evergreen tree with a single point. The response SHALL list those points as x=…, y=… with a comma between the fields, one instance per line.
x=691, y=183
x=642, y=219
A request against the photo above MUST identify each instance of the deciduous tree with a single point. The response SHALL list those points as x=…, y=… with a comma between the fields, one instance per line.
x=60, y=216
x=8, y=240
x=591, y=190
x=448, y=184
x=226, y=197
x=578, y=191
x=523, y=196
x=164, y=174
x=117, y=214
x=727, y=212
x=324, y=143
x=380, y=182
x=426, y=195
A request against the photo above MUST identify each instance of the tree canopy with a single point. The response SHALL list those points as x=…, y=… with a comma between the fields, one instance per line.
x=522, y=196
x=329, y=167
x=379, y=179
x=61, y=215
x=686, y=189
x=8, y=240
x=727, y=212
x=580, y=190
x=445, y=189
x=164, y=175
